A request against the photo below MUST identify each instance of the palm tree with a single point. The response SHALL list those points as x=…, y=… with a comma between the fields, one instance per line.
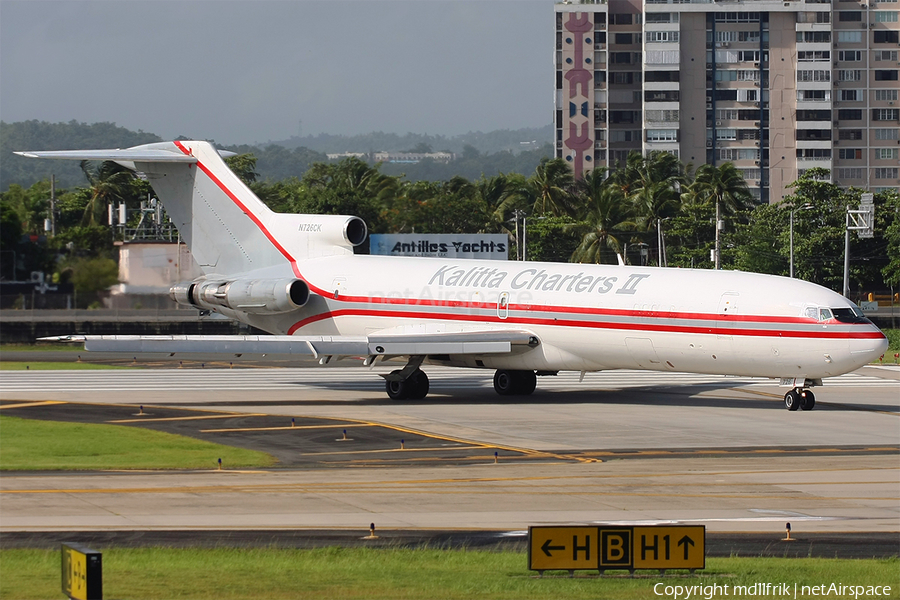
x=549, y=187
x=655, y=189
x=608, y=220
x=109, y=183
x=494, y=194
x=725, y=186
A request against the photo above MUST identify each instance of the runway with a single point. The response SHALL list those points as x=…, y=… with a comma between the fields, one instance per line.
x=618, y=447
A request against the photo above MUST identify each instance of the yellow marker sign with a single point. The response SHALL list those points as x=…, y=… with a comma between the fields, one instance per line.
x=616, y=547
x=82, y=577
x=677, y=547
x=564, y=548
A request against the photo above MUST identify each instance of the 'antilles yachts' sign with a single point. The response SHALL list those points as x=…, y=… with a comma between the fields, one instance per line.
x=443, y=245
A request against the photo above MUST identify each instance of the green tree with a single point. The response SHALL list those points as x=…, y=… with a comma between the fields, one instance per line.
x=244, y=166
x=10, y=235
x=31, y=205
x=109, y=184
x=758, y=243
x=819, y=224
x=494, y=196
x=724, y=188
x=608, y=222
x=891, y=218
x=349, y=187
x=551, y=239
x=92, y=240
x=549, y=188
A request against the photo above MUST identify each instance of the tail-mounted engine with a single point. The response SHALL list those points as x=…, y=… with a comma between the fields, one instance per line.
x=255, y=296
x=313, y=236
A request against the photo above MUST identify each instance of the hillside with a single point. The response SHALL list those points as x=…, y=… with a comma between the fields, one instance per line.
x=40, y=135
x=478, y=153
x=501, y=140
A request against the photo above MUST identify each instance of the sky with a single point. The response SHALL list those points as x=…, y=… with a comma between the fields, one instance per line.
x=245, y=71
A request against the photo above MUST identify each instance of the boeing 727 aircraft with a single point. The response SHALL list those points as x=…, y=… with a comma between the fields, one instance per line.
x=296, y=277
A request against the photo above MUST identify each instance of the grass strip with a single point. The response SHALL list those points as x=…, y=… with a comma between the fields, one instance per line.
x=27, y=444
x=409, y=574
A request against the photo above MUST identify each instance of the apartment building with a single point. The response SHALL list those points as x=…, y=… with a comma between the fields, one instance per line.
x=774, y=87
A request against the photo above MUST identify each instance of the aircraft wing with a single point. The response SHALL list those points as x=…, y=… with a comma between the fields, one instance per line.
x=385, y=345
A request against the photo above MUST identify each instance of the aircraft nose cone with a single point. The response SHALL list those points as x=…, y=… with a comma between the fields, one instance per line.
x=868, y=350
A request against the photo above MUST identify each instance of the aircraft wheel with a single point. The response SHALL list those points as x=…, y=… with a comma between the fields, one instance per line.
x=807, y=400
x=418, y=385
x=397, y=390
x=504, y=382
x=514, y=383
x=527, y=382
x=792, y=400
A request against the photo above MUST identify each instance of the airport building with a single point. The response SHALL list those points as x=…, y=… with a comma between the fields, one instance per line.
x=774, y=87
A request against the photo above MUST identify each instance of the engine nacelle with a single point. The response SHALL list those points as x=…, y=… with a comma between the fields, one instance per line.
x=255, y=296
x=315, y=236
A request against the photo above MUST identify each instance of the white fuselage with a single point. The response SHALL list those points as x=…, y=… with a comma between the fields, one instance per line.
x=588, y=317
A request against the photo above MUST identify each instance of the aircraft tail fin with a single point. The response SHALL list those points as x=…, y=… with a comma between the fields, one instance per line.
x=228, y=229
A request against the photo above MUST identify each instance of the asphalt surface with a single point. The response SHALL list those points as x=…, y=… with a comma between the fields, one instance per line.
x=308, y=442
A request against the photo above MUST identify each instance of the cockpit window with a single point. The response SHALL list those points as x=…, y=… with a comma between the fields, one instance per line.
x=851, y=314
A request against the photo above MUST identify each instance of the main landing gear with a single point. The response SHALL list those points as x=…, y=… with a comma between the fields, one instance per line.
x=414, y=387
x=799, y=398
x=411, y=383
x=514, y=383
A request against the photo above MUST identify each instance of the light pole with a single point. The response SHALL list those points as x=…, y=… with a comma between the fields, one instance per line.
x=804, y=207
x=661, y=241
x=719, y=226
x=517, y=213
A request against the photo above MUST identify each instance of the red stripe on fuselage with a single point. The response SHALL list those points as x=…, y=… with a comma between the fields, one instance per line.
x=557, y=322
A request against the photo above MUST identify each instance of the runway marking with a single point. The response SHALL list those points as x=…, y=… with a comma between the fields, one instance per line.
x=548, y=482
x=263, y=489
x=288, y=427
x=30, y=404
x=454, y=448
x=228, y=416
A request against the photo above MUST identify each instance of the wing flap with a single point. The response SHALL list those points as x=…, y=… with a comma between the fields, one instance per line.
x=469, y=342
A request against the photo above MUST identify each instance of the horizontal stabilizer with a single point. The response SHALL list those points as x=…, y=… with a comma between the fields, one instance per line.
x=165, y=152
